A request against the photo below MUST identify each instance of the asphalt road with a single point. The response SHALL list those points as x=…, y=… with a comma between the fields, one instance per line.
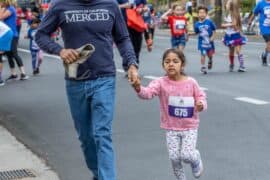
x=233, y=134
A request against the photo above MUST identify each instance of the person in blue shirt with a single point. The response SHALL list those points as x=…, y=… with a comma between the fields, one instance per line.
x=206, y=30
x=34, y=49
x=263, y=9
x=91, y=92
x=9, y=18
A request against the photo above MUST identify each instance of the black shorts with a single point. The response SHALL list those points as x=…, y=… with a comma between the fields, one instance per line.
x=1, y=58
x=266, y=37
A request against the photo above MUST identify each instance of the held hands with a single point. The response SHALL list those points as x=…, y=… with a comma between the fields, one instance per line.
x=133, y=76
x=199, y=106
x=69, y=55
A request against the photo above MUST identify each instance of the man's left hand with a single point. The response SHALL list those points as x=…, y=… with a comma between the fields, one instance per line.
x=133, y=75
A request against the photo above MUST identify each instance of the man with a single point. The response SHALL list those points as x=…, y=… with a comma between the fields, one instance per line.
x=91, y=93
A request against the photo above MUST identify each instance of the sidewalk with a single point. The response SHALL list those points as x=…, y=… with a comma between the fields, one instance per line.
x=14, y=157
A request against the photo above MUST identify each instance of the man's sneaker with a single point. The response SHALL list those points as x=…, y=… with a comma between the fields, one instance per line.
x=242, y=69
x=197, y=168
x=264, y=59
x=24, y=77
x=210, y=64
x=12, y=77
x=2, y=83
x=203, y=70
x=231, y=67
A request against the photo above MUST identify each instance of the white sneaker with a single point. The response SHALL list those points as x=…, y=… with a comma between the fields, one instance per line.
x=197, y=168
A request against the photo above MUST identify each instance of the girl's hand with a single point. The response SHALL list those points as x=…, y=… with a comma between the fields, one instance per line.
x=137, y=85
x=199, y=106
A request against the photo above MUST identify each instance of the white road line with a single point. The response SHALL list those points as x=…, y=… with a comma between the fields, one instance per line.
x=151, y=77
x=45, y=54
x=204, y=89
x=120, y=70
x=251, y=100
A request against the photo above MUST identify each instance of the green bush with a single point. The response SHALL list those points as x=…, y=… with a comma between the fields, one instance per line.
x=247, y=5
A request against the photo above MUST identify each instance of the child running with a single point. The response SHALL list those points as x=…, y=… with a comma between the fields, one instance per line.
x=177, y=21
x=181, y=99
x=263, y=8
x=34, y=49
x=206, y=30
x=233, y=38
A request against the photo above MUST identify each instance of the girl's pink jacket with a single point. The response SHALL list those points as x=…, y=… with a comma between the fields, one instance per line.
x=170, y=93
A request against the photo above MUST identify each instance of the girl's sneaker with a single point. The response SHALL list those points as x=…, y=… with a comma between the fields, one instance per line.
x=210, y=64
x=203, y=70
x=197, y=168
x=231, y=67
x=242, y=69
x=2, y=83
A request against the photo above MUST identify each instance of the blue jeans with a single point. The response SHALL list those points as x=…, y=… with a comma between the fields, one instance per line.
x=92, y=108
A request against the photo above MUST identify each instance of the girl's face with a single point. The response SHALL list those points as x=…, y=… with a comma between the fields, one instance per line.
x=202, y=14
x=179, y=11
x=172, y=64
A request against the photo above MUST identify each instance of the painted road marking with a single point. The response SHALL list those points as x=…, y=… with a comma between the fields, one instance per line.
x=44, y=54
x=151, y=77
x=251, y=100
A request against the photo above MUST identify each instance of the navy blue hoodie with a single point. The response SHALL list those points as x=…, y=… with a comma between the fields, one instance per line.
x=98, y=22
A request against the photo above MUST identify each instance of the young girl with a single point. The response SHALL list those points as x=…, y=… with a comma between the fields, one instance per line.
x=233, y=38
x=181, y=99
x=177, y=21
x=206, y=30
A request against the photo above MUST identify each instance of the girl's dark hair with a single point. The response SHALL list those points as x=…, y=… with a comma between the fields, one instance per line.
x=179, y=54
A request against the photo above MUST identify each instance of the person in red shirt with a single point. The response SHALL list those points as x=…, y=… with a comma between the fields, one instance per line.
x=177, y=21
x=20, y=16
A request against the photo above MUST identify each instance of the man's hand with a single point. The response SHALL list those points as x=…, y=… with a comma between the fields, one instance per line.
x=69, y=55
x=132, y=74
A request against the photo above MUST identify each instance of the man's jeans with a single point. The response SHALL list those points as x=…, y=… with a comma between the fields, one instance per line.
x=92, y=108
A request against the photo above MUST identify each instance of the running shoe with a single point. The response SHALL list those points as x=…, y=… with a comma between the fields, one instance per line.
x=24, y=77
x=242, y=69
x=264, y=59
x=203, y=70
x=197, y=168
x=2, y=83
x=12, y=77
x=210, y=64
x=231, y=67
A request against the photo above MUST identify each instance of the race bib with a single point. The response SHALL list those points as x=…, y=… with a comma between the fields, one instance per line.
x=181, y=107
x=180, y=24
x=266, y=22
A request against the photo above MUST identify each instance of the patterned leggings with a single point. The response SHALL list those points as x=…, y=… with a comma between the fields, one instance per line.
x=182, y=148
